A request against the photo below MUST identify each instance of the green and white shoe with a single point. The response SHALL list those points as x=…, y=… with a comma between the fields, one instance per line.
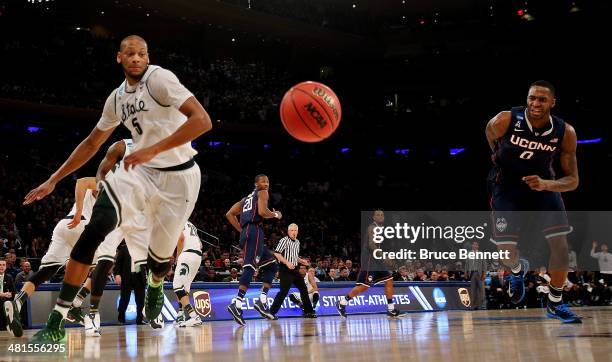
x=53, y=332
x=13, y=323
x=154, y=299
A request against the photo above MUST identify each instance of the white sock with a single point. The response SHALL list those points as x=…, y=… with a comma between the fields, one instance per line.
x=390, y=306
x=238, y=303
x=77, y=302
x=344, y=301
x=62, y=309
x=263, y=298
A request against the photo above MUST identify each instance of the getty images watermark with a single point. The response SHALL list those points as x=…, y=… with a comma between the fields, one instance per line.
x=455, y=240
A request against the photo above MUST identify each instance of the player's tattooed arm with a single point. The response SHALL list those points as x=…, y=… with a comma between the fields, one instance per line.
x=82, y=185
x=232, y=215
x=262, y=206
x=497, y=127
x=113, y=155
x=83, y=153
x=569, y=166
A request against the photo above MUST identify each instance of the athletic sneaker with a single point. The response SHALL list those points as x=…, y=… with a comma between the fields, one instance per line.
x=261, y=308
x=76, y=315
x=341, y=309
x=180, y=317
x=158, y=322
x=92, y=324
x=563, y=313
x=53, y=332
x=393, y=312
x=236, y=313
x=154, y=300
x=13, y=323
x=295, y=300
x=191, y=321
x=517, y=283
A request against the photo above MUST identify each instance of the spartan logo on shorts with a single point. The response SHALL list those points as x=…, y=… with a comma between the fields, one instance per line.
x=464, y=295
x=201, y=301
x=501, y=224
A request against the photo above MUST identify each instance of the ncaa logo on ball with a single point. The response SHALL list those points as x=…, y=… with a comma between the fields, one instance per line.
x=201, y=301
x=439, y=298
x=501, y=224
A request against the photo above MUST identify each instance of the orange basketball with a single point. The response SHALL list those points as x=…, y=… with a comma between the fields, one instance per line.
x=310, y=111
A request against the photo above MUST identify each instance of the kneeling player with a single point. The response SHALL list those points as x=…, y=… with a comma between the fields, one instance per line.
x=189, y=249
x=311, y=284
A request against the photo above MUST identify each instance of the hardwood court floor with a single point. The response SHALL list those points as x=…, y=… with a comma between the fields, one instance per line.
x=508, y=335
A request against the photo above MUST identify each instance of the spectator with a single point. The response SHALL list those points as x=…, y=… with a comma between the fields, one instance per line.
x=604, y=259
x=420, y=275
x=233, y=277
x=11, y=268
x=25, y=274
x=344, y=274
x=352, y=272
x=7, y=290
x=402, y=276
x=332, y=277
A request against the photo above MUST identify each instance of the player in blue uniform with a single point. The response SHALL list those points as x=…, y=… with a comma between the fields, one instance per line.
x=525, y=140
x=253, y=209
x=366, y=278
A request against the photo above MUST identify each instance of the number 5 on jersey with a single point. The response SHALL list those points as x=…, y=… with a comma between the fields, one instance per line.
x=136, y=125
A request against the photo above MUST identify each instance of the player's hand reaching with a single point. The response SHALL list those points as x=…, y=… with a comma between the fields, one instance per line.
x=536, y=183
x=138, y=157
x=594, y=244
x=39, y=193
x=290, y=265
x=76, y=220
x=277, y=214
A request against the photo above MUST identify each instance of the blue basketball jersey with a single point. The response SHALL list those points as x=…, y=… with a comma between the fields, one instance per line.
x=524, y=151
x=250, y=210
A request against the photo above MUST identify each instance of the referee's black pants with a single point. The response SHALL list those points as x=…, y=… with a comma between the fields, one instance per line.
x=290, y=277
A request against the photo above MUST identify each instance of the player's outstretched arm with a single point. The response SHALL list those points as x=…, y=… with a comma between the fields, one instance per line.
x=81, y=154
x=198, y=122
x=569, y=166
x=313, y=284
x=113, y=155
x=232, y=215
x=262, y=206
x=80, y=190
x=497, y=127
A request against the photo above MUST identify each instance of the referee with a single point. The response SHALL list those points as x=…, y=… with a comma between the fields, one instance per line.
x=287, y=252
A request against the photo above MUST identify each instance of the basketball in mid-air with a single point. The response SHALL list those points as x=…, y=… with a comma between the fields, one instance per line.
x=310, y=111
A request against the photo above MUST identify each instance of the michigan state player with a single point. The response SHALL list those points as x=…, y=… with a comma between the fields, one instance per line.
x=154, y=189
x=253, y=209
x=366, y=278
x=189, y=250
x=64, y=237
x=524, y=141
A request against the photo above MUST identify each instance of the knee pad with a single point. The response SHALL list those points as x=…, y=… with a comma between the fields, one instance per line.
x=180, y=293
x=247, y=276
x=44, y=274
x=268, y=272
x=103, y=221
x=99, y=277
x=158, y=269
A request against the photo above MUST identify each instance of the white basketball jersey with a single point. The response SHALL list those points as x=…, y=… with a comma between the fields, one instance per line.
x=308, y=285
x=150, y=121
x=88, y=203
x=192, y=240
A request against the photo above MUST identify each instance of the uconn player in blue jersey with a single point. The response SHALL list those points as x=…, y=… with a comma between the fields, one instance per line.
x=368, y=277
x=252, y=210
x=524, y=142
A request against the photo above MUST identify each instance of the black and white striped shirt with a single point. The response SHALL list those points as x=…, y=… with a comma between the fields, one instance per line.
x=289, y=248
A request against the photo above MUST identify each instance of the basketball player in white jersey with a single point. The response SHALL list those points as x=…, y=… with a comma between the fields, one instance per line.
x=64, y=237
x=155, y=188
x=313, y=289
x=189, y=250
